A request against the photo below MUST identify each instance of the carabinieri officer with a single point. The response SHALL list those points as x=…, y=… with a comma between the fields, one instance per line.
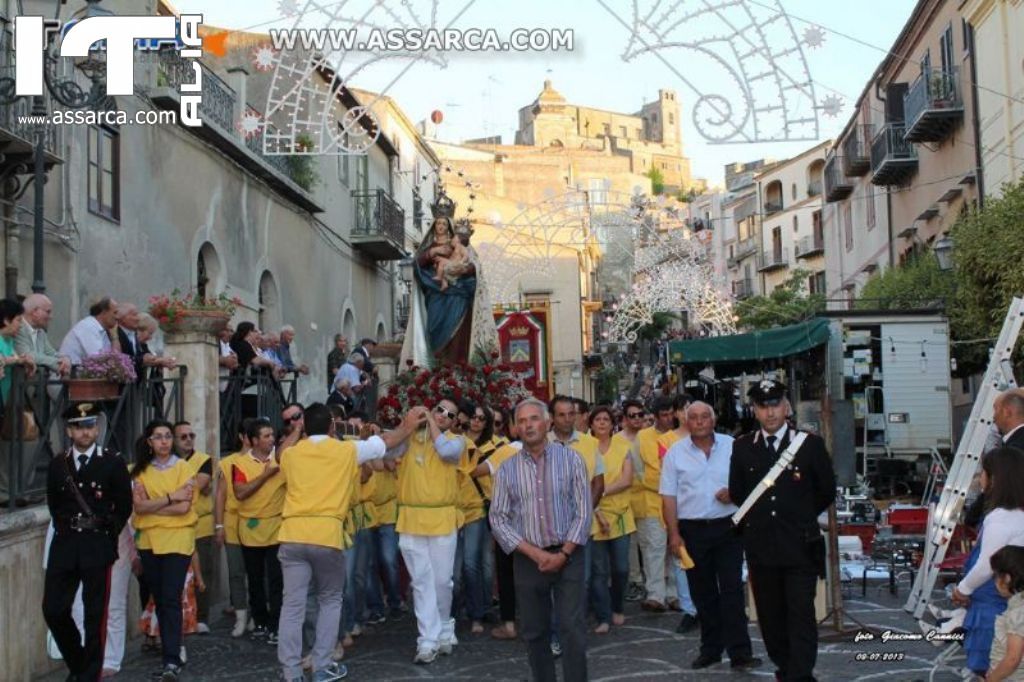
x=89, y=495
x=784, y=546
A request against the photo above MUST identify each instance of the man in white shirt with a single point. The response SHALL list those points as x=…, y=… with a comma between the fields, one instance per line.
x=91, y=335
x=698, y=511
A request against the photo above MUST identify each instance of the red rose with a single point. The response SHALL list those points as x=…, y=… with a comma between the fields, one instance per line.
x=494, y=354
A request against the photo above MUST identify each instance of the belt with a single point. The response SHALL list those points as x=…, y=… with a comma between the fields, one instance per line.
x=80, y=523
x=553, y=548
x=707, y=522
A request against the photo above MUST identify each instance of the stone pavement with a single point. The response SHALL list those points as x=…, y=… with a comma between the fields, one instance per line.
x=645, y=648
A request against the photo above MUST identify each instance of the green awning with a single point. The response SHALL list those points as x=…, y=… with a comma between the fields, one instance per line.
x=760, y=345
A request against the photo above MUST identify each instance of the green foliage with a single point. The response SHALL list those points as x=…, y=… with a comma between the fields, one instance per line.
x=606, y=385
x=302, y=167
x=657, y=180
x=656, y=328
x=988, y=255
x=790, y=303
x=919, y=283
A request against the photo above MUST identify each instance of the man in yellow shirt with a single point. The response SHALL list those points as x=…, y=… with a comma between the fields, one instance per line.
x=225, y=532
x=427, y=523
x=650, y=523
x=259, y=488
x=320, y=476
x=202, y=465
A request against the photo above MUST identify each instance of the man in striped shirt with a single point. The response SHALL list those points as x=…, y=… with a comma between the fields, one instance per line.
x=541, y=510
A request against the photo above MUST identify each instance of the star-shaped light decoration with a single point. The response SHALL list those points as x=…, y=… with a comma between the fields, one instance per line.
x=250, y=125
x=288, y=8
x=814, y=37
x=832, y=105
x=263, y=58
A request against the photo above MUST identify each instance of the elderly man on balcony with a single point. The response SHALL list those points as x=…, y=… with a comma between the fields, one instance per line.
x=32, y=339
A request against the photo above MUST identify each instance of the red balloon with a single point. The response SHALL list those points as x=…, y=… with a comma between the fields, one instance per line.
x=436, y=116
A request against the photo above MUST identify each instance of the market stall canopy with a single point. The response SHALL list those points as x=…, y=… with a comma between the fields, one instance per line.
x=760, y=345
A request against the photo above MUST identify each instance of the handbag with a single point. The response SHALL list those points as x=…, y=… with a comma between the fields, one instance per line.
x=9, y=428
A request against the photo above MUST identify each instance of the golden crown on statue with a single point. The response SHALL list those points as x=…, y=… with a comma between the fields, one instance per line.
x=519, y=331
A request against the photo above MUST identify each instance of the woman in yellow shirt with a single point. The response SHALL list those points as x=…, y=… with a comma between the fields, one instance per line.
x=473, y=586
x=165, y=525
x=613, y=524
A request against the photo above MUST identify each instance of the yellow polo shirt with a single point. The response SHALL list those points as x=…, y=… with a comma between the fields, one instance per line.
x=204, y=503
x=471, y=503
x=259, y=515
x=385, y=497
x=616, y=509
x=585, y=446
x=651, y=446
x=165, y=534
x=428, y=491
x=230, y=501
x=317, y=479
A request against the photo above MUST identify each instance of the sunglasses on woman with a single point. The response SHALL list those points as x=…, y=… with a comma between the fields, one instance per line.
x=440, y=410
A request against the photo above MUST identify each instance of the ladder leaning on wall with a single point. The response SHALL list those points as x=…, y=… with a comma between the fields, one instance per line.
x=946, y=515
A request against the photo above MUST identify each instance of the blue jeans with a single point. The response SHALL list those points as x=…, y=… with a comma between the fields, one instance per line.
x=357, y=564
x=683, y=590
x=474, y=540
x=384, y=555
x=609, y=564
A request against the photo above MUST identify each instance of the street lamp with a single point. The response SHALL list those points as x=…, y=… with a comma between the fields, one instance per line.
x=406, y=270
x=71, y=95
x=943, y=249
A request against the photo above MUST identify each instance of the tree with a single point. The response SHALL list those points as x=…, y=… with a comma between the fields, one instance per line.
x=657, y=180
x=919, y=283
x=789, y=303
x=656, y=328
x=988, y=253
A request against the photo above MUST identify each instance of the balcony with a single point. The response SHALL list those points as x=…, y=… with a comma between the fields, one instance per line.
x=808, y=247
x=772, y=207
x=933, y=106
x=745, y=248
x=18, y=137
x=857, y=151
x=776, y=259
x=837, y=185
x=742, y=289
x=893, y=159
x=379, y=230
x=287, y=174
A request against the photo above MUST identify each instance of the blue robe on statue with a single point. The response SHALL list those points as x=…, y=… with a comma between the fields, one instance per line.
x=446, y=310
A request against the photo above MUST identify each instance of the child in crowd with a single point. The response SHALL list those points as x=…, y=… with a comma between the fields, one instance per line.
x=1008, y=643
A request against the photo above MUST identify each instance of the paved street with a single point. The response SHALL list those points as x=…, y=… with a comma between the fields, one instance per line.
x=646, y=648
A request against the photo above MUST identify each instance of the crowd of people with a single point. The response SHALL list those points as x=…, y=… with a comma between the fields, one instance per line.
x=560, y=512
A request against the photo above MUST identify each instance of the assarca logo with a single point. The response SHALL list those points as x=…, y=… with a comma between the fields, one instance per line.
x=120, y=34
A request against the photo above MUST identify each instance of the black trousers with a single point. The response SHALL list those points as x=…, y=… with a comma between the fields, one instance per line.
x=534, y=592
x=60, y=587
x=503, y=568
x=716, y=584
x=785, y=611
x=165, y=577
x=266, y=585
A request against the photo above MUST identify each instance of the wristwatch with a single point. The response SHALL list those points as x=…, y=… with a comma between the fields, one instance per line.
x=219, y=526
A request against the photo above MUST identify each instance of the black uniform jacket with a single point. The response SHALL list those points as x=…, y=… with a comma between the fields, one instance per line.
x=106, y=488
x=781, y=529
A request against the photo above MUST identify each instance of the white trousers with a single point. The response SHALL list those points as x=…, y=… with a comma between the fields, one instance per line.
x=653, y=540
x=430, y=560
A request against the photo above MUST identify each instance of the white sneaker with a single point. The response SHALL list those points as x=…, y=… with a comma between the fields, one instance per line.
x=251, y=625
x=446, y=646
x=424, y=656
x=183, y=656
x=241, y=620
x=202, y=629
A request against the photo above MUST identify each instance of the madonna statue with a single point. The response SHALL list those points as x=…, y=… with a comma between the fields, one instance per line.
x=450, y=318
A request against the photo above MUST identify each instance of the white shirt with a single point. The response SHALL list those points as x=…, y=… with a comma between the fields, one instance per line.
x=1001, y=527
x=86, y=338
x=1013, y=431
x=694, y=478
x=366, y=450
x=75, y=454
x=780, y=436
x=350, y=372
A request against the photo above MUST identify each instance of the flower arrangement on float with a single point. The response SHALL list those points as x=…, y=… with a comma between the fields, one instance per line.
x=493, y=383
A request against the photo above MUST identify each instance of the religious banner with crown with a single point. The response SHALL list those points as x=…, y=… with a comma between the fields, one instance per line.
x=524, y=342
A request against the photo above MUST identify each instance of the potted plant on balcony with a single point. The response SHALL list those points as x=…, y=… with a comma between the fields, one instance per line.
x=940, y=90
x=191, y=312
x=100, y=376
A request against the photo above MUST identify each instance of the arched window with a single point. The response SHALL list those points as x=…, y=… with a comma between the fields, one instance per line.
x=270, y=302
x=209, y=275
x=348, y=328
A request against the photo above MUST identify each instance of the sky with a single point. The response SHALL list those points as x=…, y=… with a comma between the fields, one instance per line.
x=479, y=94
